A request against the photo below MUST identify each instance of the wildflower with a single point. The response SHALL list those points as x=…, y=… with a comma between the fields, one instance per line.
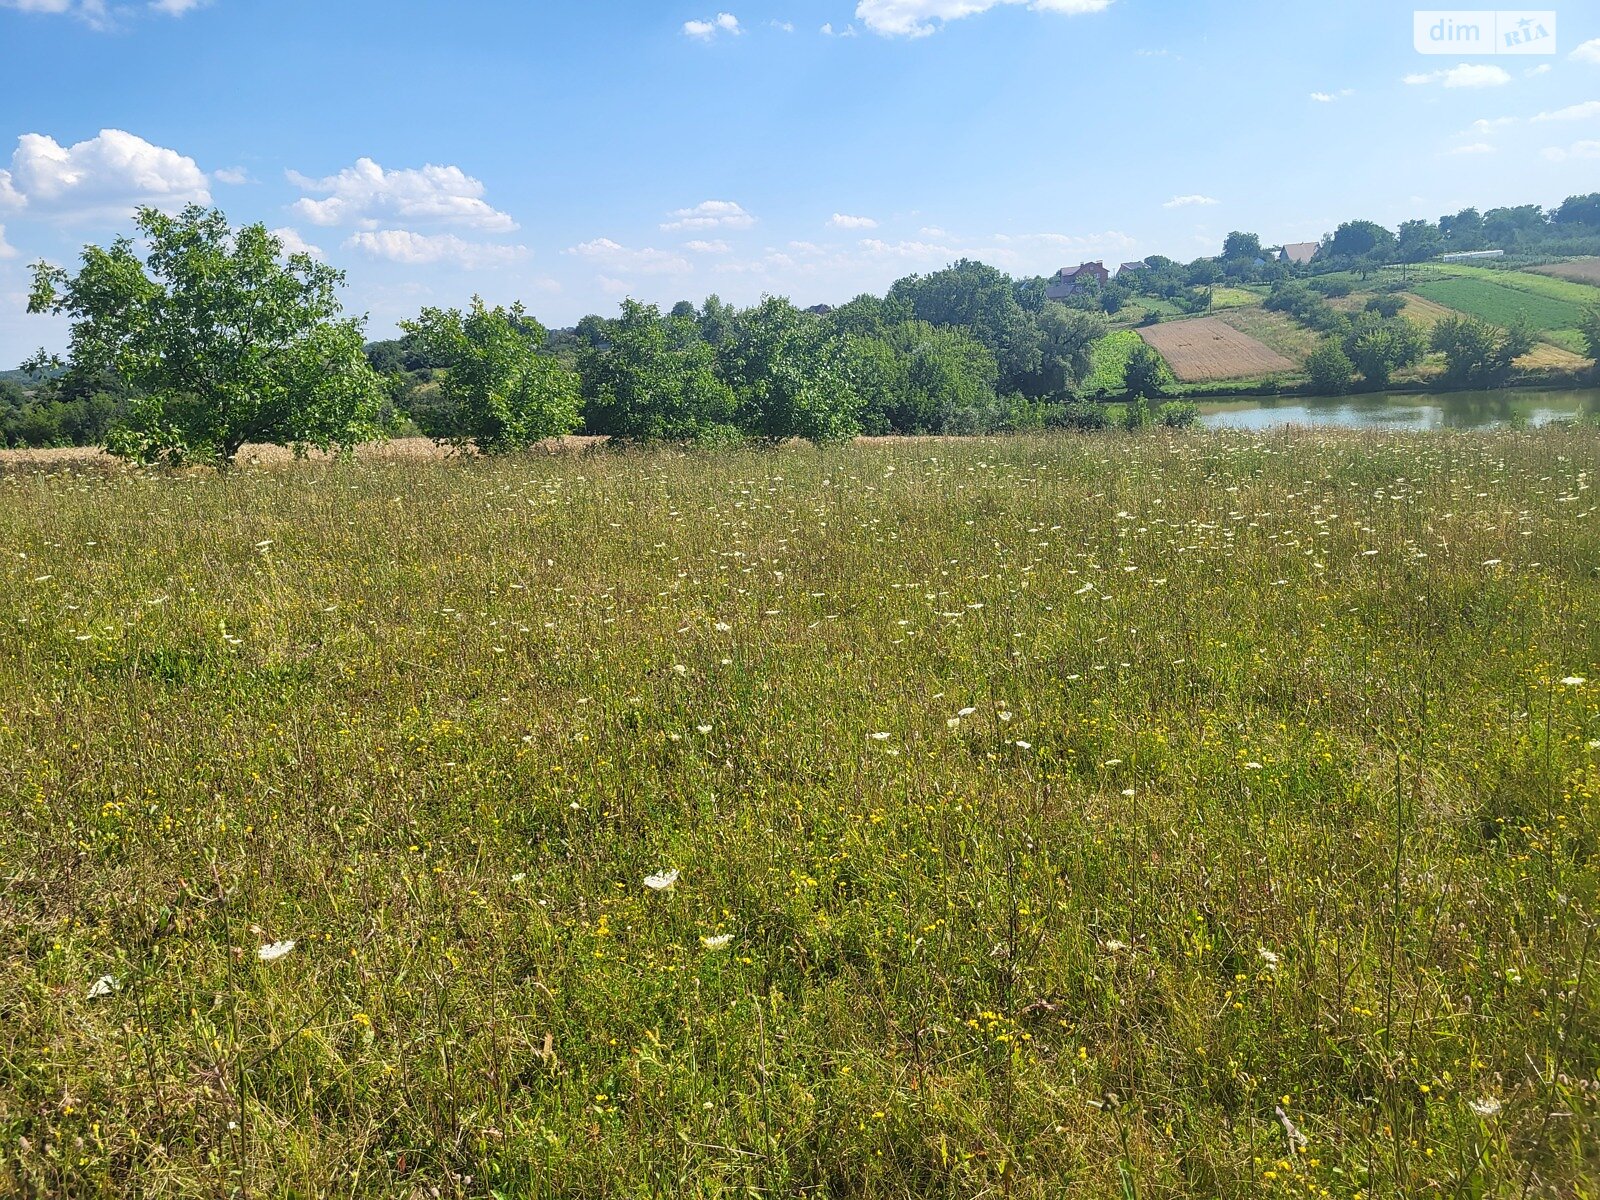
x=662, y=882
x=721, y=942
x=702, y=730
x=679, y=669
x=723, y=627
x=879, y=737
x=1574, y=681
x=1254, y=766
x=1116, y=947
x=1486, y=1108
x=1268, y=957
x=275, y=951
x=953, y=723
x=1020, y=745
x=966, y=712
x=102, y=987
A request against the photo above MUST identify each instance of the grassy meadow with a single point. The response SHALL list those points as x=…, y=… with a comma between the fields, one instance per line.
x=1126, y=816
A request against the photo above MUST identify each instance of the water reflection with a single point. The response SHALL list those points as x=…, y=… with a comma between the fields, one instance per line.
x=1504, y=409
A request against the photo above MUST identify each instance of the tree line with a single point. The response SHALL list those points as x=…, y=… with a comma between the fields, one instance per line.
x=201, y=337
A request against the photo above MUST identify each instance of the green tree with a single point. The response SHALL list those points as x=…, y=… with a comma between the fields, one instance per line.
x=1478, y=354
x=1380, y=346
x=1365, y=242
x=1148, y=375
x=1418, y=241
x=1590, y=328
x=984, y=301
x=655, y=379
x=1330, y=369
x=1246, y=246
x=222, y=340
x=790, y=373
x=498, y=392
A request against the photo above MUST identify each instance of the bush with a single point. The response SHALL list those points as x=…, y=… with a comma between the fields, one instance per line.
x=1178, y=414
x=1078, y=415
x=1333, y=289
x=1135, y=415
x=1330, y=369
x=1388, y=305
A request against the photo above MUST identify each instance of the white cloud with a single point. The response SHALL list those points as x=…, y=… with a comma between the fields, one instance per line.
x=418, y=249
x=1467, y=75
x=7, y=250
x=1332, y=97
x=849, y=31
x=842, y=221
x=716, y=247
x=293, y=243
x=1589, y=52
x=1541, y=69
x=1586, y=111
x=707, y=30
x=933, y=231
x=1589, y=149
x=176, y=8
x=916, y=18
x=1190, y=201
x=232, y=175
x=91, y=12
x=710, y=214
x=1490, y=126
x=1474, y=148
x=106, y=176
x=367, y=192
x=613, y=256
x=783, y=26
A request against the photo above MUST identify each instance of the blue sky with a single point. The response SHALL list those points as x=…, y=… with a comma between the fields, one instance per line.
x=569, y=152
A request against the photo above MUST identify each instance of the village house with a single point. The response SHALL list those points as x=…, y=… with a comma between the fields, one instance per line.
x=1298, y=253
x=1068, y=283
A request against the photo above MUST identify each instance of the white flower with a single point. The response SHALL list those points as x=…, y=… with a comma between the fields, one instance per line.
x=953, y=723
x=662, y=882
x=275, y=951
x=723, y=627
x=1574, y=681
x=103, y=987
x=1487, y=1107
x=519, y=877
x=702, y=730
x=879, y=737
x=679, y=669
x=1268, y=957
x=966, y=712
x=1004, y=716
x=1254, y=766
x=1115, y=947
x=721, y=942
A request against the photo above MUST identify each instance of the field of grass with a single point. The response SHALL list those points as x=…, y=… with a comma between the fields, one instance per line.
x=1494, y=301
x=1210, y=348
x=1076, y=817
x=1276, y=330
x=1224, y=298
x=1582, y=270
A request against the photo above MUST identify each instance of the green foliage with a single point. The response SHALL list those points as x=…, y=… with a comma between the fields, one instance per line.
x=1136, y=415
x=1108, y=372
x=1379, y=346
x=1147, y=373
x=1080, y=415
x=1178, y=414
x=498, y=392
x=654, y=378
x=1478, y=354
x=1590, y=329
x=919, y=378
x=220, y=338
x=1365, y=242
x=1330, y=368
x=1387, y=305
x=789, y=372
x=1495, y=301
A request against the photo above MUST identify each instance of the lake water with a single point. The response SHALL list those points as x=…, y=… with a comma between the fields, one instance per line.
x=1511, y=408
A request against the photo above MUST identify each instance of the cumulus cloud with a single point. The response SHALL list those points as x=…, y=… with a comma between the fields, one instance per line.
x=1586, y=111
x=293, y=243
x=920, y=18
x=709, y=214
x=849, y=31
x=1474, y=148
x=1467, y=75
x=368, y=193
x=715, y=247
x=705, y=31
x=1589, y=52
x=613, y=256
x=1588, y=149
x=106, y=176
x=1332, y=97
x=6, y=248
x=1190, y=201
x=92, y=12
x=843, y=221
x=418, y=249
x=232, y=175
x=176, y=8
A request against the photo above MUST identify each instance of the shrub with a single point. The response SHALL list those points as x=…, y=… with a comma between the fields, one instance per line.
x=1330, y=369
x=1178, y=414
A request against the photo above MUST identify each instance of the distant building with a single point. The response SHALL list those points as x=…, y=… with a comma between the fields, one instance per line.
x=1469, y=255
x=820, y=310
x=1133, y=266
x=1298, y=253
x=1069, y=283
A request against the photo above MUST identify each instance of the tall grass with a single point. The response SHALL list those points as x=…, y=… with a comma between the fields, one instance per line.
x=1189, y=816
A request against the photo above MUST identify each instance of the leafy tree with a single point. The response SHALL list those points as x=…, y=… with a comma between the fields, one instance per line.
x=498, y=392
x=1579, y=210
x=1464, y=231
x=222, y=339
x=980, y=298
x=1379, y=346
x=1590, y=327
x=683, y=310
x=868, y=316
x=1246, y=246
x=790, y=373
x=1066, y=339
x=1148, y=375
x=1363, y=241
x=1419, y=241
x=655, y=379
x=1479, y=354
x=1387, y=305
x=1514, y=228
x=1330, y=369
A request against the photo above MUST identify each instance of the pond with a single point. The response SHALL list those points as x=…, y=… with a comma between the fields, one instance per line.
x=1509, y=408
